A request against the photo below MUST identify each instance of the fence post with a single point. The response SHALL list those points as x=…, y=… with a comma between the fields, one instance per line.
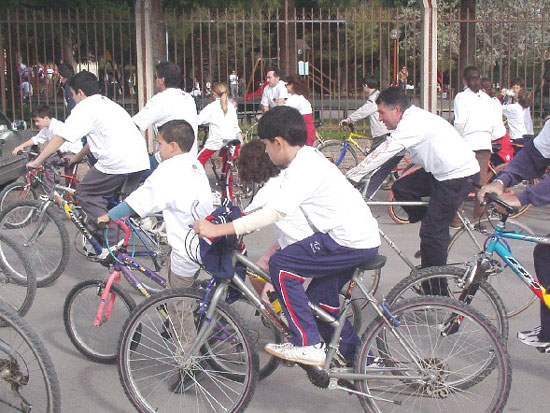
x=428, y=72
x=2, y=71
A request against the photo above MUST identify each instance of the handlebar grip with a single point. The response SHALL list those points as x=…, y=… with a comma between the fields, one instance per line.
x=493, y=197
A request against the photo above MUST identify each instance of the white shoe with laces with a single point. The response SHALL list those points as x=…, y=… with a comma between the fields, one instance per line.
x=531, y=339
x=523, y=335
x=311, y=355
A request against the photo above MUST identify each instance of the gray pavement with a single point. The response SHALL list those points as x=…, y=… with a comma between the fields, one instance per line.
x=87, y=386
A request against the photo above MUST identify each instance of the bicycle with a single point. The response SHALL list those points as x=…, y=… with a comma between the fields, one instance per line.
x=42, y=232
x=415, y=346
x=33, y=184
x=28, y=380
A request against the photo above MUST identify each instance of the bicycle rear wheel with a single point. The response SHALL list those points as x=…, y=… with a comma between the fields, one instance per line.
x=16, y=293
x=514, y=293
x=468, y=370
x=340, y=153
x=486, y=300
x=396, y=212
x=28, y=376
x=43, y=239
x=222, y=377
x=98, y=343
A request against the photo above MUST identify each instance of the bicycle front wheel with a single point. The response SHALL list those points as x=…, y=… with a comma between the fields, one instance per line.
x=43, y=239
x=396, y=212
x=15, y=192
x=221, y=377
x=446, y=281
x=98, y=343
x=29, y=380
x=340, y=153
x=416, y=366
x=16, y=293
x=466, y=243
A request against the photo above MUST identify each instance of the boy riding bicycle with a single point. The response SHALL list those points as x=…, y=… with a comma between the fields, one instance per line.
x=340, y=241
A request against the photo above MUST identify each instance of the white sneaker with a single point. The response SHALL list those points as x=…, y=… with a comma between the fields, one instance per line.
x=532, y=340
x=310, y=355
x=523, y=335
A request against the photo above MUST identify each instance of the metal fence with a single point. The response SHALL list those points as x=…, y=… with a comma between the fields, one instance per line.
x=339, y=46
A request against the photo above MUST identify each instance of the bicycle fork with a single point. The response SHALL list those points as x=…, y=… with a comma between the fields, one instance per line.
x=107, y=297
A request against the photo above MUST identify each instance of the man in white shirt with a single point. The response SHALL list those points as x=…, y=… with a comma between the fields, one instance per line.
x=275, y=92
x=341, y=241
x=169, y=103
x=448, y=168
x=234, y=84
x=112, y=138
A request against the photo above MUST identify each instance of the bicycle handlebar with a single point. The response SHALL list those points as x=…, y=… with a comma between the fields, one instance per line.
x=493, y=197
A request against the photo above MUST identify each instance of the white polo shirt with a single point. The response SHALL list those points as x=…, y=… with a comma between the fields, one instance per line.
x=475, y=118
x=170, y=104
x=330, y=204
x=221, y=126
x=180, y=206
x=271, y=95
x=300, y=103
x=430, y=141
x=515, y=114
x=114, y=139
x=292, y=228
x=46, y=134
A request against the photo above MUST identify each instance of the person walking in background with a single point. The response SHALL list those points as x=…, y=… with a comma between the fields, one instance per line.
x=66, y=71
x=298, y=99
x=234, y=84
x=402, y=77
x=477, y=122
x=26, y=88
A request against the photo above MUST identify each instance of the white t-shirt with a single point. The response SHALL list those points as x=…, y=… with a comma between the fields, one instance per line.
x=431, y=142
x=180, y=204
x=542, y=140
x=233, y=79
x=114, y=139
x=292, y=228
x=475, y=118
x=271, y=95
x=220, y=126
x=46, y=134
x=515, y=114
x=170, y=104
x=499, y=130
x=370, y=110
x=330, y=204
x=300, y=103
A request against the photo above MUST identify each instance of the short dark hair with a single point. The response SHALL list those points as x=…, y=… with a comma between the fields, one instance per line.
x=524, y=98
x=276, y=71
x=41, y=111
x=85, y=81
x=65, y=70
x=253, y=163
x=170, y=72
x=516, y=81
x=178, y=131
x=394, y=96
x=472, y=76
x=372, y=82
x=285, y=122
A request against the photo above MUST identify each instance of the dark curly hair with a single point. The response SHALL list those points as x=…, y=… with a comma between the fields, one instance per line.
x=254, y=165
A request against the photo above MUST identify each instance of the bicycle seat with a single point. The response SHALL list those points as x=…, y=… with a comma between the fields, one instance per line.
x=232, y=142
x=373, y=264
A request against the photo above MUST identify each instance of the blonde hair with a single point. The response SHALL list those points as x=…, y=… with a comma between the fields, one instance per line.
x=220, y=89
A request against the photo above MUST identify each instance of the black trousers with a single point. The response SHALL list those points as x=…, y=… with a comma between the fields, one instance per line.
x=445, y=199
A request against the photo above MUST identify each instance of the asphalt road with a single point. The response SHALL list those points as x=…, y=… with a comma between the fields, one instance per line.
x=87, y=386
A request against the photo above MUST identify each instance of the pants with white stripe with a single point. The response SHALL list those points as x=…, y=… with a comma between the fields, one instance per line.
x=330, y=266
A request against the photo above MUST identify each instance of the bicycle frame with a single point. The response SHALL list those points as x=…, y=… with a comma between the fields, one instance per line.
x=495, y=243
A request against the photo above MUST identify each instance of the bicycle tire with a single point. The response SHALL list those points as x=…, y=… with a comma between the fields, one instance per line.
x=371, y=282
x=238, y=378
x=343, y=156
x=486, y=301
x=49, y=253
x=39, y=383
x=396, y=212
x=519, y=187
x=469, y=370
x=515, y=295
x=15, y=192
x=18, y=294
x=99, y=344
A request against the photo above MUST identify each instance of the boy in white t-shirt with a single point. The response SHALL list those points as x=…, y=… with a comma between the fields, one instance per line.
x=41, y=117
x=341, y=240
x=160, y=193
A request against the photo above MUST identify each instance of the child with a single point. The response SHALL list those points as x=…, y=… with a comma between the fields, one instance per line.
x=221, y=118
x=345, y=235
x=160, y=192
x=254, y=166
x=42, y=119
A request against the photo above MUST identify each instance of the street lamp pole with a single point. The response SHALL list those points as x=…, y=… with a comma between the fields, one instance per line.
x=394, y=35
